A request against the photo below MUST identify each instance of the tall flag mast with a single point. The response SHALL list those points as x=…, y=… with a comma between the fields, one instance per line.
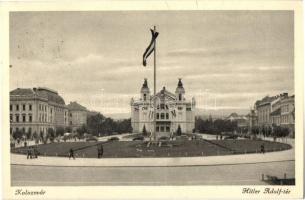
x=152, y=48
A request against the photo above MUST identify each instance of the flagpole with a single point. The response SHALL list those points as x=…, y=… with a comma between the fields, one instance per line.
x=155, y=80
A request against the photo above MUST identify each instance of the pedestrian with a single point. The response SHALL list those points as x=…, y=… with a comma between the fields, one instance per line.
x=29, y=154
x=262, y=148
x=71, y=154
x=36, y=153
x=100, y=151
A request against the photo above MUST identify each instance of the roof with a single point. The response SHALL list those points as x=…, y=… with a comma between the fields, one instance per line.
x=51, y=95
x=265, y=100
x=165, y=93
x=45, y=93
x=76, y=106
x=235, y=116
x=276, y=112
x=22, y=91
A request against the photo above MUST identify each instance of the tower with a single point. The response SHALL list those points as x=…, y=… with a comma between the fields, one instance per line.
x=145, y=93
x=180, y=91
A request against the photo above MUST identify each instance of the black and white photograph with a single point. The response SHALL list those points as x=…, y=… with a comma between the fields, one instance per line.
x=152, y=98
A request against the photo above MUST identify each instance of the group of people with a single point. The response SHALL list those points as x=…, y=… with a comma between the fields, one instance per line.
x=32, y=152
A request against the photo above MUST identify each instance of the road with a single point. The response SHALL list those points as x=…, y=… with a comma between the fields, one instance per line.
x=240, y=174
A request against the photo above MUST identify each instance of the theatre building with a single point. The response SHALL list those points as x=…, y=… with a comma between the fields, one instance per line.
x=172, y=110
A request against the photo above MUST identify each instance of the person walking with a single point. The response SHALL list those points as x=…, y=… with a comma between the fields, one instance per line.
x=100, y=151
x=71, y=154
x=262, y=148
x=35, y=153
x=29, y=154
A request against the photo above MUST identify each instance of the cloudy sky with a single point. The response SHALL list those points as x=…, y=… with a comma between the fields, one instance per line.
x=226, y=59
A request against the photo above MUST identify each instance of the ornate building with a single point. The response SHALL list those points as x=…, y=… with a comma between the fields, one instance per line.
x=172, y=111
x=36, y=110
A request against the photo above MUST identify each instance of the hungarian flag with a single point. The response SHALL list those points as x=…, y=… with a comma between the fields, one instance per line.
x=151, y=46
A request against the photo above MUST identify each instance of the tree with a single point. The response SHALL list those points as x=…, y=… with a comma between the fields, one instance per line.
x=144, y=132
x=68, y=129
x=51, y=134
x=60, y=131
x=28, y=135
x=80, y=131
x=179, y=132
x=17, y=134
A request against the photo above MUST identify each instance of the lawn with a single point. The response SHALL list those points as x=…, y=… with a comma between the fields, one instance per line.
x=125, y=149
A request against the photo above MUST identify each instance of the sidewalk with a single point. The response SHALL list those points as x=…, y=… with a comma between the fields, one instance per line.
x=287, y=155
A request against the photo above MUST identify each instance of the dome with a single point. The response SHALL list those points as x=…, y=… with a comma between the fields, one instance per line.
x=180, y=88
x=145, y=88
x=51, y=95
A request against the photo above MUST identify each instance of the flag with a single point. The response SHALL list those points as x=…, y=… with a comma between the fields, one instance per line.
x=151, y=46
x=173, y=113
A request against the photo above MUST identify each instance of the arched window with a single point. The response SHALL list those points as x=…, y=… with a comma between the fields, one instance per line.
x=144, y=97
x=180, y=97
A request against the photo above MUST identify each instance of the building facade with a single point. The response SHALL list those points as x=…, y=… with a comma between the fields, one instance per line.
x=35, y=110
x=77, y=115
x=172, y=111
x=277, y=110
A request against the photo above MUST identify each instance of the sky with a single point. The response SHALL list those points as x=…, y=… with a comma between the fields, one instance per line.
x=226, y=59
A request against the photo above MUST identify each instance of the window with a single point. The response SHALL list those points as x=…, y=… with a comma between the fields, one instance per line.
x=17, y=118
x=30, y=118
x=30, y=106
x=23, y=118
x=188, y=109
x=167, y=129
x=180, y=108
x=157, y=128
x=162, y=115
x=180, y=97
x=30, y=130
x=162, y=106
x=23, y=107
x=51, y=110
x=162, y=128
x=17, y=107
x=157, y=115
x=144, y=97
x=167, y=115
x=11, y=118
x=11, y=107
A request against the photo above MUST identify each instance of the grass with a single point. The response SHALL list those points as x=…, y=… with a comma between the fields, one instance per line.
x=125, y=149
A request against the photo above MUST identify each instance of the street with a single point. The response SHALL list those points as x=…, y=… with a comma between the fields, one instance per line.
x=241, y=174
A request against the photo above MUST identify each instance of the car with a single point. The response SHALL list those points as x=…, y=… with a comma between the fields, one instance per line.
x=113, y=139
x=231, y=137
x=141, y=138
x=91, y=139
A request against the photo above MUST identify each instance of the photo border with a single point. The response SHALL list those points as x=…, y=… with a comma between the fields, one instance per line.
x=152, y=192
